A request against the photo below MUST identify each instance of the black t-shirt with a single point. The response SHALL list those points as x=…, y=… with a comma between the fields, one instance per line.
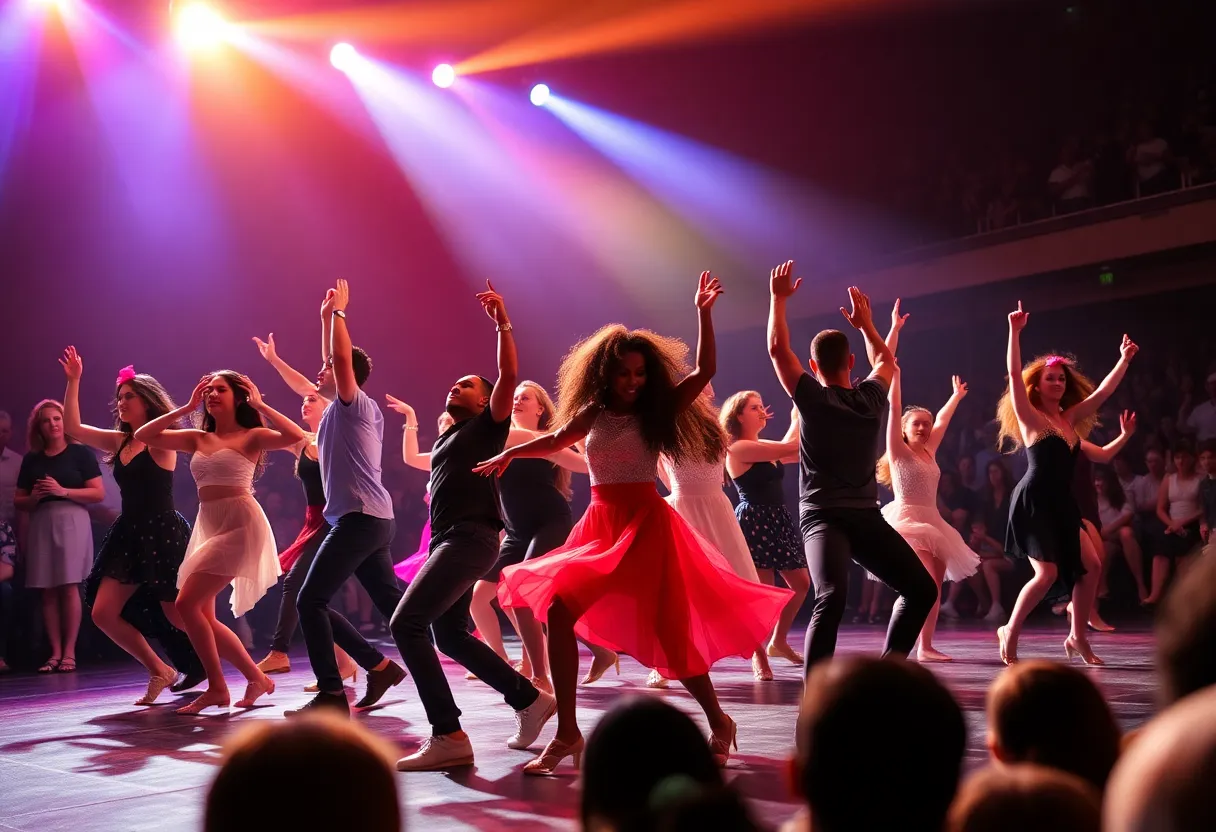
x=458, y=495
x=838, y=443
x=72, y=468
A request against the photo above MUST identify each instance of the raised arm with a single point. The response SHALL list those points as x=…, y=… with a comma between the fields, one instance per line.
x=1027, y=415
x=281, y=433
x=160, y=433
x=568, y=458
x=692, y=385
x=897, y=325
x=409, y=437
x=508, y=362
x=1104, y=454
x=1093, y=402
x=334, y=308
x=751, y=451
x=545, y=445
x=895, y=435
x=781, y=286
x=882, y=360
x=106, y=440
x=297, y=381
x=942, y=421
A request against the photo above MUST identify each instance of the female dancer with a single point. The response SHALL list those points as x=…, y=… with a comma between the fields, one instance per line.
x=632, y=560
x=910, y=469
x=536, y=513
x=297, y=558
x=1180, y=510
x=58, y=478
x=232, y=542
x=757, y=466
x=1047, y=408
x=145, y=546
x=697, y=496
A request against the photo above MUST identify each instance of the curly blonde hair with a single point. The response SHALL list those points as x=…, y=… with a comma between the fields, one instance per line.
x=1077, y=388
x=548, y=411
x=585, y=378
x=882, y=469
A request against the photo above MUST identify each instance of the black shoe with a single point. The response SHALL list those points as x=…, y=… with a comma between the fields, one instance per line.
x=378, y=683
x=186, y=681
x=322, y=703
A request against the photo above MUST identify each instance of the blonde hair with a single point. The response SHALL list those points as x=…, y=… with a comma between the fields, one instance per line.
x=1076, y=390
x=732, y=408
x=882, y=469
x=548, y=411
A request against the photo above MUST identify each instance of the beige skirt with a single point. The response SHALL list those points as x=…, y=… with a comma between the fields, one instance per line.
x=232, y=538
x=59, y=550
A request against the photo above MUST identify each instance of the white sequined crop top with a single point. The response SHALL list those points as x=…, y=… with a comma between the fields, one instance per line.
x=227, y=466
x=616, y=452
x=914, y=479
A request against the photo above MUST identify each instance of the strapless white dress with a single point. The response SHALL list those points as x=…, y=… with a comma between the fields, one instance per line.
x=697, y=496
x=915, y=516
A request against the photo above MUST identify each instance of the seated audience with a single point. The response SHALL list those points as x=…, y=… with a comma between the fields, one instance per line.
x=1024, y=797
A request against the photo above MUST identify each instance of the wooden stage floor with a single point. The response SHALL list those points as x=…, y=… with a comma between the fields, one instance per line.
x=75, y=755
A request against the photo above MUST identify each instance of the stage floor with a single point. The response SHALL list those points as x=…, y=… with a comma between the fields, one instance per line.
x=75, y=755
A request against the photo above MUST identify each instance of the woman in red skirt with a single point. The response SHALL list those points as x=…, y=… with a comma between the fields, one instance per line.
x=634, y=577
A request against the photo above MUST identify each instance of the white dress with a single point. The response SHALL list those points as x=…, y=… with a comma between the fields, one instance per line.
x=231, y=536
x=915, y=516
x=697, y=496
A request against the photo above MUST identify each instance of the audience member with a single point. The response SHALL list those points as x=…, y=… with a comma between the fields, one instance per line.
x=1024, y=797
x=1186, y=634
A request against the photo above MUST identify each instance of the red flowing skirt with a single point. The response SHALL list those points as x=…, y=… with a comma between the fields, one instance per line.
x=314, y=523
x=644, y=583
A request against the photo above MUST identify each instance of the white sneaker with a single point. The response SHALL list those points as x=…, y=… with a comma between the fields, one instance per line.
x=995, y=613
x=530, y=721
x=439, y=753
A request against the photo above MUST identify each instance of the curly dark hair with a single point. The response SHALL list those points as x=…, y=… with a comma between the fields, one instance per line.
x=585, y=378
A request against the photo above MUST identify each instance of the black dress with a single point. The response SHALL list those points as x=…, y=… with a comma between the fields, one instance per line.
x=1044, y=517
x=1083, y=489
x=772, y=537
x=536, y=515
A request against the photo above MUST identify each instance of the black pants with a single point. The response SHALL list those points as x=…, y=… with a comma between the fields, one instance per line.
x=289, y=617
x=835, y=536
x=357, y=544
x=439, y=599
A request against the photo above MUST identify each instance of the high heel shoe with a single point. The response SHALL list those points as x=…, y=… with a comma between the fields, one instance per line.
x=156, y=686
x=656, y=680
x=554, y=753
x=255, y=689
x=1007, y=657
x=207, y=700
x=720, y=747
x=596, y=673
x=784, y=651
x=351, y=673
x=1074, y=649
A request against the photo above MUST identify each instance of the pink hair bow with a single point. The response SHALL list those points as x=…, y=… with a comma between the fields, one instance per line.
x=125, y=374
x=1056, y=360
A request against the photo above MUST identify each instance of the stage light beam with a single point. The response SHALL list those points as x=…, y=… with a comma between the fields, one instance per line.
x=539, y=95
x=444, y=76
x=343, y=56
x=198, y=26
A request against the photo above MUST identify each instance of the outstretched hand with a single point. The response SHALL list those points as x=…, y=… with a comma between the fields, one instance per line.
x=73, y=366
x=1127, y=422
x=959, y=386
x=266, y=348
x=1018, y=319
x=708, y=289
x=493, y=304
x=859, y=316
x=395, y=404
x=1128, y=349
x=781, y=282
x=494, y=466
x=898, y=320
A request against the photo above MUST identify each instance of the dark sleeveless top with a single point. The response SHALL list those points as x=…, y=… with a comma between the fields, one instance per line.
x=760, y=485
x=146, y=488
x=309, y=472
x=1044, y=517
x=529, y=496
x=1083, y=489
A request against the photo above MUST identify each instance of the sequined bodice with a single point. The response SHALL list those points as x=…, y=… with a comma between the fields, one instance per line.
x=616, y=452
x=914, y=479
x=696, y=476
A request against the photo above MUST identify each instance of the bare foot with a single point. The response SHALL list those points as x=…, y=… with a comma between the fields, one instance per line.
x=928, y=654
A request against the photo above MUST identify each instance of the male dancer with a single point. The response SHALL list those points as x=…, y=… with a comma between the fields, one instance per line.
x=465, y=522
x=350, y=441
x=838, y=446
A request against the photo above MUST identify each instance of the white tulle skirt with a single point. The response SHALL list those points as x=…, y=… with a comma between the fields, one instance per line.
x=233, y=538
x=713, y=517
x=927, y=531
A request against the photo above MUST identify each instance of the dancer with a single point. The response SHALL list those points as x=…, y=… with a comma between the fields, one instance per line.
x=1048, y=408
x=634, y=576
x=697, y=496
x=757, y=466
x=465, y=523
x=910, y=469
x=232, y=543
x=137, y=565
x=411, y=566
x=838, y=446
x=57, y=479
x=350, y=443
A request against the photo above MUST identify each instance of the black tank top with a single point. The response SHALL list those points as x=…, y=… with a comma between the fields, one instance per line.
x=309, y=472
x=530, y=499
x=146, y=488
x=760, y=485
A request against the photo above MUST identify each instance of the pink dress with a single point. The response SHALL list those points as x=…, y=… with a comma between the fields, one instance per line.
x=646, y=583
x=408, y=569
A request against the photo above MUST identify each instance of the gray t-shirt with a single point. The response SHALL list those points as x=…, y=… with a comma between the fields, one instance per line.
x=350, y=442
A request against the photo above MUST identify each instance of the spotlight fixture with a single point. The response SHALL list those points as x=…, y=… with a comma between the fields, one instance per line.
x=539, y=95
x=444, y=76
x=199, y=26
x=343, y=56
